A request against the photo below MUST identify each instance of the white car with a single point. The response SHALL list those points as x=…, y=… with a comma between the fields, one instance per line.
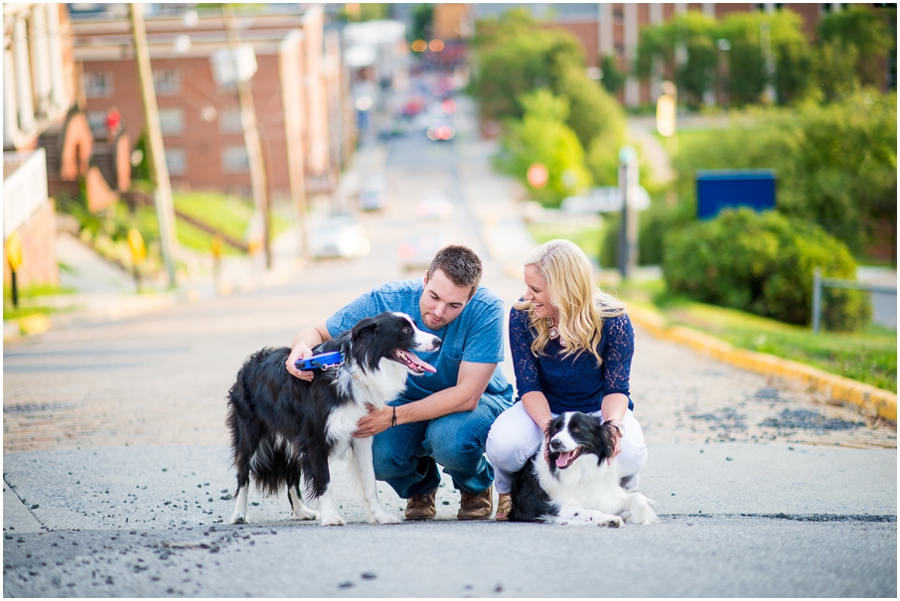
x=339, y=236
x=373, y=193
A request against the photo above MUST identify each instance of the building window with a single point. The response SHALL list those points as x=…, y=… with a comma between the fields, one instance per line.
x=167, y=82
x=620, y=50
x=235, y=160
x=176, y=161
x=97, y=84
x=230, y=121
x=618, y=16
x=171, y=121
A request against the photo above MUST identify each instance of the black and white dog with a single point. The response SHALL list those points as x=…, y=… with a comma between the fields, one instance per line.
x=283, y=427
x=575, y=480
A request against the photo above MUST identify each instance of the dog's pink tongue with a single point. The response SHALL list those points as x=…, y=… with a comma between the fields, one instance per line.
x=563, y=459
x=421, y=364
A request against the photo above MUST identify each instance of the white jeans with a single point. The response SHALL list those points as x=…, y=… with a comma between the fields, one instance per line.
x=514, y=437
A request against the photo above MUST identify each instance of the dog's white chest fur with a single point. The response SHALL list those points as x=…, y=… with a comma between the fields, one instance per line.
x=375, y=388
x=584, y=484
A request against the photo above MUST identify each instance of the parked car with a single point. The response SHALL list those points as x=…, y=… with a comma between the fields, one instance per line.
x=373, y=193
x=395, y=129
x=339, y=236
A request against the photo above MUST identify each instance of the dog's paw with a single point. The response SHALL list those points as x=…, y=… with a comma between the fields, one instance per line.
x=611, y=522
x=333, y=520
x=238, y=520
x=590, y=517
x=305, y=514
x=383, y=517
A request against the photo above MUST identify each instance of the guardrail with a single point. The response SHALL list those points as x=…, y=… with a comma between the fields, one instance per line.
x=819, y=282
x=24, y=189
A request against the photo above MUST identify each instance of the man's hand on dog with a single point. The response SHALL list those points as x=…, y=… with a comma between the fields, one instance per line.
x=301, y=351
x=375, y=421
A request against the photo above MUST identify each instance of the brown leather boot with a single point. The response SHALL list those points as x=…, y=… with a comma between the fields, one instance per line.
x=421, y=507
x=476, y=507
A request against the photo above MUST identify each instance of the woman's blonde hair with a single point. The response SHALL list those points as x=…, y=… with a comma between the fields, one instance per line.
x=582, y=307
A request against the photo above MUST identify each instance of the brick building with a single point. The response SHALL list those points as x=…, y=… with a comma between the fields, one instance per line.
x=38, y=91
x=200, y=117
x=614, y=29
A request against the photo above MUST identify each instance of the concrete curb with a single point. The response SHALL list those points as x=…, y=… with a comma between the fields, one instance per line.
x=869, y=400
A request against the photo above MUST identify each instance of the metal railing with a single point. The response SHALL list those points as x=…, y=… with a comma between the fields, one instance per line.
x=819, y=282
x=24, y=189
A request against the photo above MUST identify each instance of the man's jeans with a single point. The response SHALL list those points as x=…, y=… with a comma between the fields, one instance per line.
x=406, y=456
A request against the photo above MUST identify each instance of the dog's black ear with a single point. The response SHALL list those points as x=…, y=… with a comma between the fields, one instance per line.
x=555, y=424
x=607, y=433
x=364, y=326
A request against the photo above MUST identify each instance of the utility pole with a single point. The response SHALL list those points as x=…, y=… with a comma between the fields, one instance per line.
x=251, y=133
x=628, y=232
x=291, y=59
x=165, y=210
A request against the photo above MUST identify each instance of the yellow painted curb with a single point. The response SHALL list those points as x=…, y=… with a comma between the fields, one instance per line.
x=870, y=400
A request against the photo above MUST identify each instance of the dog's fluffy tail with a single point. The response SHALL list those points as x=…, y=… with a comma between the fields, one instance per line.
x=639, y=510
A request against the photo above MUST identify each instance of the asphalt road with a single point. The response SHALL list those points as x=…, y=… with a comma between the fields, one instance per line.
x=117, y=479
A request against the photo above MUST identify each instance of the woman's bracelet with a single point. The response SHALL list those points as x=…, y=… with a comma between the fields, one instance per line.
x=393, y=416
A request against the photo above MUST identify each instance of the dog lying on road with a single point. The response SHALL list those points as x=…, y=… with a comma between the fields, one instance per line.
x=283, y=428
x=573, y=479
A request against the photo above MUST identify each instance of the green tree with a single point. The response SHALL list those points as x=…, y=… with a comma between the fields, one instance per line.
x=794, y=74
x=423, y=16
x=684, y=49
x=836, y=70
x=693, y=37
x=372, y=11
x=862, y=31
x=543, y=137
x=515, y=56
x=613, y=78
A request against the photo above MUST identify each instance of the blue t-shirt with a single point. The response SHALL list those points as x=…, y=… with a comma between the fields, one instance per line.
x=475, y=336
x=573, y=383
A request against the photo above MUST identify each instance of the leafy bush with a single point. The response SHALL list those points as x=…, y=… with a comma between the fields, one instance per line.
x=763, y=264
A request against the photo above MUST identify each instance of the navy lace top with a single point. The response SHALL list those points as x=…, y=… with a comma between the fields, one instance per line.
x=570, y=383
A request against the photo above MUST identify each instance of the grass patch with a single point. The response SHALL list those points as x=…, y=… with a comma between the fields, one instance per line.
x=225, y=212
x=10, y=312
x=588, y=238
x=37, y=290
x=869, y=356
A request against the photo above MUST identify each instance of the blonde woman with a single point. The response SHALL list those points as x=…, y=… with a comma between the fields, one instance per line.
x=571, y=347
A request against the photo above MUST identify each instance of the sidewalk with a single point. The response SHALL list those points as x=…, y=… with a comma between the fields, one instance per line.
x=104, y=292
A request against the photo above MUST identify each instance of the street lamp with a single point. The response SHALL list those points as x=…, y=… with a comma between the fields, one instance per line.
x=723, y=47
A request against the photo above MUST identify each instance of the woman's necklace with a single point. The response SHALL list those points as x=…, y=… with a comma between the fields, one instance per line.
x=554, y=333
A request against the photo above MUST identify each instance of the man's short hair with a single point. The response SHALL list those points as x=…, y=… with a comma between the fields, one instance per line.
x=460, y=264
